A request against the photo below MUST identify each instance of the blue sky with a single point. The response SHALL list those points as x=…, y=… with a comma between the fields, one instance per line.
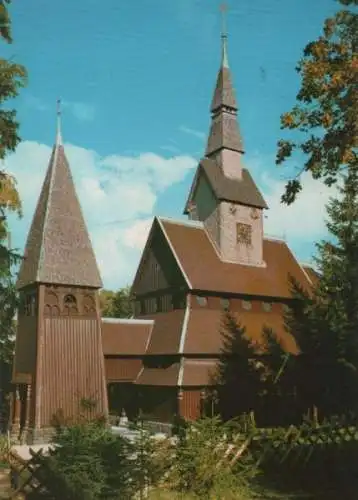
x=136, y=78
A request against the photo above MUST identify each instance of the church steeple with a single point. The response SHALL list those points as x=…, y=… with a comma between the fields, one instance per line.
x=223, y=194
x=58, y=248
x=224, y=132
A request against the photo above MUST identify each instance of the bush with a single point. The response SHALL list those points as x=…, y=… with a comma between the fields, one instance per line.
x=200, y=467
x=4, y=450
x=91, y=463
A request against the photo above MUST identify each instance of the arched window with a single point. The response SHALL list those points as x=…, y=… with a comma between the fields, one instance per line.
x=89, y=305
x=70, y=304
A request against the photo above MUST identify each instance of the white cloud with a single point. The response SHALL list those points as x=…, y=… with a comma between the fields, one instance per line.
x=191, y=131
x=305, y=218
x=117, y=194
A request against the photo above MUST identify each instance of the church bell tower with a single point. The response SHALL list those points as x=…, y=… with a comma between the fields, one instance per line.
x=59, y=364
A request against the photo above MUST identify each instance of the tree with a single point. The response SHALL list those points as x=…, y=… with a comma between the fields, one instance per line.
x=116, y=304
x=12, y=77
x=238, y=379
x=327, y=109
x=326, y=322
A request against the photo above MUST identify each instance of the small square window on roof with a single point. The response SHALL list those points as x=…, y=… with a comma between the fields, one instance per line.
x=202, y=301
x=225, y=304
x=246, y=304
x=267, y=306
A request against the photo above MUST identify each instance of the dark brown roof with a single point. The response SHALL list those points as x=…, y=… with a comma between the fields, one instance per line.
x=224, y=93
x=159, y=376
x=58, y=248
x=198, y=372
x=206, y=271
x=243, y=191
x=125, y=337
x=166, y=333
x=204, y=329
x=122, y=369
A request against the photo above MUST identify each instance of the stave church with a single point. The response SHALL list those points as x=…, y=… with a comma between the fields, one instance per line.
x=161, y=361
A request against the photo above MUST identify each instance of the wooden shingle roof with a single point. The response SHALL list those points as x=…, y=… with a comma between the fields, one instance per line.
x=58, y=248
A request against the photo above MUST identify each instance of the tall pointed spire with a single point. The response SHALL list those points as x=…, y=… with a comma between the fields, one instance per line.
x=58, y=249
x=224, y=132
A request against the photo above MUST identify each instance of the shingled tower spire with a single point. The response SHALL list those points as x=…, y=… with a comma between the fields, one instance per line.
x=58, y=353
x=223, y=195
x=225, y=142
x=58, y=248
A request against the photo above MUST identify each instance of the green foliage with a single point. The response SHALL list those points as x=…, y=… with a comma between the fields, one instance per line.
x=249, y=373
x=237, y=371
x=200, y=467
x=116, y=304
x=8, y=306
x=326, y=322
x=91, y=463
x=326, y=113
x=12, y=78
x=4, y=450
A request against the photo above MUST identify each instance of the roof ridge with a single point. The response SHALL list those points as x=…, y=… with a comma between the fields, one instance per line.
x=278, y=239
x=189, y=223
x=128, y=321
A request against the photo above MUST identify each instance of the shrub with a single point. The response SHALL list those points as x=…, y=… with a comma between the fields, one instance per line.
x=91, y=463
x=200, y=467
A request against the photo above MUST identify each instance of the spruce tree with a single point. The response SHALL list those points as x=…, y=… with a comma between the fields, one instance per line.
x=337, y=293
x=239, y=382
x=325, y=322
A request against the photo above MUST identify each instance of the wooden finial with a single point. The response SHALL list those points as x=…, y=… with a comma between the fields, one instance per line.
x=225, y=60
x=59, y=114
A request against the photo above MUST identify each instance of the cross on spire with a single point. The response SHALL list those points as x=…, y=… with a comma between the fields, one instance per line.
x=224, y=60
x=59, y=115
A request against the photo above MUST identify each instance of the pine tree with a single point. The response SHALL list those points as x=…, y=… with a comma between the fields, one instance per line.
x=337, y=292
x=239, y=382
x=326, y=322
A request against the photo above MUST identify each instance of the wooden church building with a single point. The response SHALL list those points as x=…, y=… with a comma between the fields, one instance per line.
x=191, y=271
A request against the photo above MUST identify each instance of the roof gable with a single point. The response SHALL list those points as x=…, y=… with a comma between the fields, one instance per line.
x=159, y=267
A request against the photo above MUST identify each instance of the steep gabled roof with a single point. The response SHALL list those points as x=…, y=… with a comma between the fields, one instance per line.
x=243, y=191
x=206, y=271
x=58, y=248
